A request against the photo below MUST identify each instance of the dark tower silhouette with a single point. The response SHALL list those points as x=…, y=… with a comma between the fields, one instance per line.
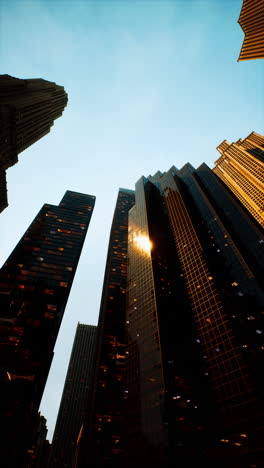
x=73, y=404
x=28, y=109
x=35, y=283
x=104, y=433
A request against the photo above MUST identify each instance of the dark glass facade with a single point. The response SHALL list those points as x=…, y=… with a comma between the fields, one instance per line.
x=104, y=433
x=35, y=283
x=167, y=388
x=73, y=404
x=28, y=109
x=194, y=324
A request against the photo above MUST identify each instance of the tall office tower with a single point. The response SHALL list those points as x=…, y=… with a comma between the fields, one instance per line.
x=28, y=109
x=73, y=405
x=251, y=20
x=35, y=283
x=241, y=168
x=103, y=437
x=194, y=323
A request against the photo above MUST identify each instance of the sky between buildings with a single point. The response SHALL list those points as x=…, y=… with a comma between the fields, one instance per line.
x=151, y=84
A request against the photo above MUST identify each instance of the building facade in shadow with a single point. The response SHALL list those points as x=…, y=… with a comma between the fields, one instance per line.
x=28, y=109
x=35, y=283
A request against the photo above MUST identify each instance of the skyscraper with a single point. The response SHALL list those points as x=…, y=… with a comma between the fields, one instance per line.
x=195, y=323
x=28, y=109
x=103, y=435
x=251, y=20
x=241, y=168
x=74, y=398
x=35, y=283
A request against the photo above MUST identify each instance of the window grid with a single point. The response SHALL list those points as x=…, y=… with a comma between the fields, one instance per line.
x=221, y=349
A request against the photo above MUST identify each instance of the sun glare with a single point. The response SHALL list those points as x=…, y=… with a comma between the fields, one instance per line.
x=143, y=243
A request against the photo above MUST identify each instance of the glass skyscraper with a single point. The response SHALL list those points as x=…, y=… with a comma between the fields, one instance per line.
x=179, y=374
x=195, y=323
x=241, y=168
x=74, y=402
x=104, y=433
x=35, y=283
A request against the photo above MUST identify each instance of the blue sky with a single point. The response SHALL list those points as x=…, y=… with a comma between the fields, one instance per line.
x=151, y=84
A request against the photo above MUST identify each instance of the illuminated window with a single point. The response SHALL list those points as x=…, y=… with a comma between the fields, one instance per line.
x=64, y=284
x=64, y=230
x=119, y=356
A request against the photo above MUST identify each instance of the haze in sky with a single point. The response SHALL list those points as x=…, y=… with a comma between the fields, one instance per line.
x=151, y=84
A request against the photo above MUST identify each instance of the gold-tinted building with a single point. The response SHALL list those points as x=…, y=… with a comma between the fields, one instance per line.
x=251, y=20
x=241, y=168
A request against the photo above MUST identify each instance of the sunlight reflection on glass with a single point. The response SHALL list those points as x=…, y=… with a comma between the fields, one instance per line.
x=143, y=243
